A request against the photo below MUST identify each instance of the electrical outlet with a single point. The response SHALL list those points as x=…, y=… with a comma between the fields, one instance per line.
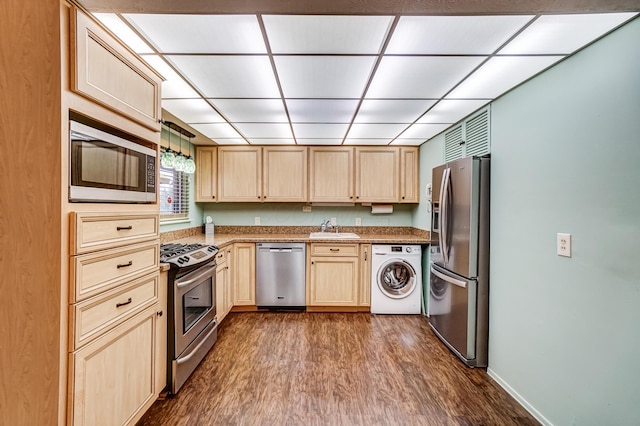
x=358, y=221
x=564, y=244
x=306, y=209
x=334, y=221
x=256, y=220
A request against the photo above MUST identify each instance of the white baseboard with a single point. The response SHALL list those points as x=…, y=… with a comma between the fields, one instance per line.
x=530, y=408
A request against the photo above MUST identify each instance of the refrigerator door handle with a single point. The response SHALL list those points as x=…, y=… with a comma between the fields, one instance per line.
x=448, y=278
x=444, y=214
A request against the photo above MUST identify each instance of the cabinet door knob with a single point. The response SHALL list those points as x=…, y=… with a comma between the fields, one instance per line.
x=213, y=196
x=159, y=313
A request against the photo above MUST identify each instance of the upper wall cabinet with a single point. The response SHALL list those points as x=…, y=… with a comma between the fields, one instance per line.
x=106, y=72
x=284, y=174
x=206, y=173
x=409, y=174
x=470, y=137
x=377, y=174
x=331, y=174
x=240, y=173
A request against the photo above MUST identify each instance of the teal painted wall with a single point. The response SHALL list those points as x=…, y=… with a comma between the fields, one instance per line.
x=564, y=332
x=291, y=214
x=431, y=155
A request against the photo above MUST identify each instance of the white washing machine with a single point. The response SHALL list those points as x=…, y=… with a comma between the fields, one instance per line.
x=396, y=279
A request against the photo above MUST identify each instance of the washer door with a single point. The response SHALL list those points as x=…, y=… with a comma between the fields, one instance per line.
x=396, y=278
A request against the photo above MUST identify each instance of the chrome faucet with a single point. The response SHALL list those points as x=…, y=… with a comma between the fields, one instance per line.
x=326, y=226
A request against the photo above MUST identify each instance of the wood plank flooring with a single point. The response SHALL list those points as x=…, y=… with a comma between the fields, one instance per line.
x=334, y=369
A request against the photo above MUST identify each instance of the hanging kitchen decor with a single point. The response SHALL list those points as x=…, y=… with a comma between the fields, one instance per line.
x=189, y=165
x=168, y=157
x=180, y=159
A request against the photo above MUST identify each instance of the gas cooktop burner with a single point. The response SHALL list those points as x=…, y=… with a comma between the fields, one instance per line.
x=182, y=255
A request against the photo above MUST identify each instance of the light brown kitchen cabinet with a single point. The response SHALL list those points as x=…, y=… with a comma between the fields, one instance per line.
x=331, y=174
x=377, y=174
x=285, y=174
x=106, y=72
x=240, y=173
x=114, y=376
x=409, y=174
x=364, y=293
x=206, y=173
x=161, y=334
x=333, y=275
x=244, y=274
x=224, y=290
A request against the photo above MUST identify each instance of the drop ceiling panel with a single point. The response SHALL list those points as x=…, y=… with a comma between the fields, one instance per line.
x=451, y=110
x=453, y=34
x=563, y=34
x=265, y=130
x=174, y=86
x=229, y=76
x=365, y=141
x=320, y=131
x=201, y=33
x=408, y=142
x=192, y=110
x=233, y=141
x=319, y=141
x=321, y=110
x=326, y=34
x=216, y=130
x=272, y=141
x=420, y=77
x=252, y=110
x=500, y=74
x=375, y=131
x=124, y=32
x=392, y=111
x=323, y=76
x=423, y=131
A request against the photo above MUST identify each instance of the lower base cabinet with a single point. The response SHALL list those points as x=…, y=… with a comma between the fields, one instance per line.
x=333, y=275
x=224, y=290
x=114, y=376
x=244, y=274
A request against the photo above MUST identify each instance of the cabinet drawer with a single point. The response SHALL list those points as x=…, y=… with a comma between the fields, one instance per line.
x=96, y=272
x=97, y=231
x=100, y=314
x=334, y=249
x=222, y=257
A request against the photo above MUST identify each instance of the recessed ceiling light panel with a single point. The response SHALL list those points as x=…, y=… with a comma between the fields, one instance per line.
x=375, y=131
x=369, y=141
x=423, y=131
x=265, y=130
x=192, y=110
x=123, y=32
x=252, y=110
x=321, y=110
x=174, y=86
x=451, y=110
x=392, y=110
x=320, y=131
x=319, y=141
x=216, y=130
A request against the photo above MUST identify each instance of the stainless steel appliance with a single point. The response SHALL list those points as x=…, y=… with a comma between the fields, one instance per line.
x=108, y=168
x=191, y=324
x=280, y=275
x=459, y=258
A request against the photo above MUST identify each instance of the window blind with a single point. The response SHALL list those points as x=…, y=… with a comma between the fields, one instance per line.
x=174, y=195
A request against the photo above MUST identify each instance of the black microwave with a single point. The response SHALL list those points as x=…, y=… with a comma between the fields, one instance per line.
x=109, y=169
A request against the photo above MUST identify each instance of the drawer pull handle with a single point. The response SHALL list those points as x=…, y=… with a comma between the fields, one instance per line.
x=124, y=228
x=334, y=249
x=123, y=303
x=124, y=265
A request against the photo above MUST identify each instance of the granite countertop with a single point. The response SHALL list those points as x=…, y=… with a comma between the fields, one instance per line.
x=371, y=235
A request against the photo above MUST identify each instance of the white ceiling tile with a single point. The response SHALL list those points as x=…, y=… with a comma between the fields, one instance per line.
x=174, y=86
x=367, y=141
x=323, y=76
x=319, y=141
x=320, y=130
x=392, y=111
x=452, y=110
x=453, y=34
x=272, y=141
x=235, y=141
x=423, y=131
x=123, y=32
x=500, y=74
x=375, y=131
x=216, y=130
x=326, y=34
x=264, y=130
x=201, y=33
x=252, y=110
x=419, y=77
x=230, y=76
x=192, y=110
x=563, y=34
x=321, y=110
x=408, y=142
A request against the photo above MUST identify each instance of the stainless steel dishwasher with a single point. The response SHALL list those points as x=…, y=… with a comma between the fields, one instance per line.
x=280, y=275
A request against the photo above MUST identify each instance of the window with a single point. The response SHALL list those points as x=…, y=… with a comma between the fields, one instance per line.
x=174, y=195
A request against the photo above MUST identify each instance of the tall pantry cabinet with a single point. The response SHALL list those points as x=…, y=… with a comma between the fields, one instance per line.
x=58, y=62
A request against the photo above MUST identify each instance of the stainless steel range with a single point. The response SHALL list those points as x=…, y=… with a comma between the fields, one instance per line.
x=191, y=324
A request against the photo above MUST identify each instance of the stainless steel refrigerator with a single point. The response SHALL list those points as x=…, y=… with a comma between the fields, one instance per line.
x=459, y=258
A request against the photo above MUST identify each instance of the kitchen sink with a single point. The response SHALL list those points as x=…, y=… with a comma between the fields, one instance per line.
x=333, y=235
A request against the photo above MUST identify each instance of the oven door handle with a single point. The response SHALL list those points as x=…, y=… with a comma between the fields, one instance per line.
x=182, y=284
x=184, y=359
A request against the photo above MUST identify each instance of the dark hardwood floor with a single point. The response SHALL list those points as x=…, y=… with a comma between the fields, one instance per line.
x=334, y=369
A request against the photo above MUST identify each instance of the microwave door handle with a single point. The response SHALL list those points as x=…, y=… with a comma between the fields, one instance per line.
x=447, y=278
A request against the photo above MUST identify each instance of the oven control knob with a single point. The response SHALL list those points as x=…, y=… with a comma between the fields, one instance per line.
x=185, y=258
x=180, y=260
x=409, y=249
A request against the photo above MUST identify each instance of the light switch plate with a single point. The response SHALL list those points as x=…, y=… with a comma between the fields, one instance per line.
x=358, y=221
x=564, y=244
x=334, y=221
x=306, y=209
x=256, y=220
